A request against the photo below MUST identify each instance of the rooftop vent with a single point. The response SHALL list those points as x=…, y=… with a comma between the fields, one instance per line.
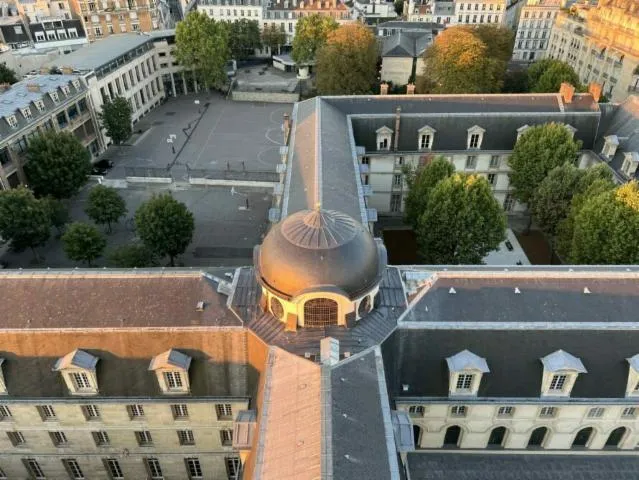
x=200, y=306
x=517, y=290
x=586, y=290
x=452, y=291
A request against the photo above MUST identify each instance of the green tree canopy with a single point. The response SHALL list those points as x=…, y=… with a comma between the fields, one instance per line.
x=7, y=75
x=420, y=183
x=58, y=164
x=607, y=227
x=547, y=75
x=465, y=59
x=244, y=38
x=83, y=243
x=58, y=212
x=499, y=40
x=539, y=149
x=463, y=222
x=311, y=33
x=165, y=226
x=202, y=45
x=134, y=255
x=116, y=119
x=347, y=63
x=105, y=206
x=274, y=37
x=24, y=220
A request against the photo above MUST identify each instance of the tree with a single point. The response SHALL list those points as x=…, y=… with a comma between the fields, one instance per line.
x=83, y=243
x=399, y=7
x=311, y=33
x=499, y=41
x=463, y=222
x=58, y=213
x=347, y=63
x=105, y=206
x=135, y=255
x=244, y=38
x=165, y=226
x=58, y=164
x=116, y=119
x=274, y=37
x=547, y=75
x=516, y=81
x=7, y=75
x=420, y=183
x=539, y=149
x=202, y=46
x=24, y=220
x=459, y=61
x=607, y=228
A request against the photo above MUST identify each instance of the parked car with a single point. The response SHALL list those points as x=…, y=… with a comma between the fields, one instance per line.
x=102, y=167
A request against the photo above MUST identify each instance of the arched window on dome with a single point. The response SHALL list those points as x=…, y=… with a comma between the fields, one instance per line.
x=276, y=307
x=320, y=312
x=364, y=306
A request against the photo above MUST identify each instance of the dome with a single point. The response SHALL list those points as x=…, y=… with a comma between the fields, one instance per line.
x=313, y=250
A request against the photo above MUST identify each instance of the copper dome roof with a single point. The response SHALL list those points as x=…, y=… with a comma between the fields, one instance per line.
x=319, y=249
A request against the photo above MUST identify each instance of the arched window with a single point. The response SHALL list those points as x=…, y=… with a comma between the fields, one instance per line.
x=276, y=307
x=364, y=306
x=320, y=312
x=452, y=437
x=582, y=438
x=537, y=437
x=497, y=437
x=615, y=437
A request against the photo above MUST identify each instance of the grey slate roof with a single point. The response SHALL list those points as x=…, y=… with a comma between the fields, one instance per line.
x=486, y=466
x=406, y=44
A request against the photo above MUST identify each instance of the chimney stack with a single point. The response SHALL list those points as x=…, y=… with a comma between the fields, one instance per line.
x=595, y=89
x=398, y=113
x=566, y=91
x=410, y=89
x=329, y=351
x=383, y=89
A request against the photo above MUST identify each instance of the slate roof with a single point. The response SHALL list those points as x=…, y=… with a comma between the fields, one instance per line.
x=406, y=44
x=486, y=466
x=54, y=25
x=408, y=26
x=9, y=34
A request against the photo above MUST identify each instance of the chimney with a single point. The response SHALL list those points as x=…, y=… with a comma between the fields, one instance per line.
x=4, y=87
x=397, y=118
x=286, y=126
x=33, y=87
x=594, y=89
x=383, y=89
x=566, y=91
x=329, y=351
x=410, y=89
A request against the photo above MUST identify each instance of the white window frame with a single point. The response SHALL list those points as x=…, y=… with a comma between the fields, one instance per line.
x=464, y=382
x=596, y=412
x=173, y=380
x=495, y=165
x=5, y=412
x=144, y=438
x=39, y=105
x=186, y=437
x=425, y=138
x=101, y=438
x=224, y=411
x=194, y=468
x=558, y=382
x=180, y=411
x=65, y=89
x=154, y=468
x=12, y=121
x=54, y=97
x=47, y=412
x=135, y=410
x=226, y=437
x=81, y=381
x=471, y=162
x=35, y=469
x=458, y=411
x=91, y=412
x=506, y=411
x=416, y=410
x=114, y=469
x=26, y=113
x=629, y=412
x=548, y=412
x=59, y=438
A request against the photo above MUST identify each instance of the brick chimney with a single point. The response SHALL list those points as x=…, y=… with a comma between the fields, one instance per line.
x=383, y=89
x=595, y=89
x=398, y=114
x=566, y=91
x=33, y=87
x=410, y=89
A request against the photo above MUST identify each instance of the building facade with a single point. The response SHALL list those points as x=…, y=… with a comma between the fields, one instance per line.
x=233, y=10
x=431, y=11
x=534, y=28
x=41, y=103
x=600, y=43
x=481, y=12
x=63, y=35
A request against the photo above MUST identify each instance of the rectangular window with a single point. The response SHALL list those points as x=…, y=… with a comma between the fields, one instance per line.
x=34, y=469
x=16, y=438
x=26, y=112
x=135, y=411
x=173, y=380
x=59, y=439
x=186, y=437
x=596, y=412
x=81, y=381
x=226, y=437
x=4, y=412
x=144, y=438
x=91, y=412
x=474, y=141
x=396, y=202
x=73, y=468
x=495, y=161
x=224, y=411
x=114, y=469
x=464, y=382
x=194, y=468
x=46, y=412
x=11, y=120
x=629, y=412
x=458, y=411
x=557, y=383
x=492, y=178
x=548, y=412
x=471, y=162
x=397, y=180
x=365, y=161
x=101, y=438
x=154, y=469
x=232, y=467
x=39, y=105
x=424, y=141
x=180, y=411
x=509, y=202
x=416, y=410
x=506, y=411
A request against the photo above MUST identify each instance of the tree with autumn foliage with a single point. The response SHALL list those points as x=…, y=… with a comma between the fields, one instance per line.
x=347, y=63
x=311, y=33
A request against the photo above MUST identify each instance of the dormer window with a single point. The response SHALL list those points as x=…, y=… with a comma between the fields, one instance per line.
x=611, y=142
x=3, y=384
x=26, y=113
x=39, y=105
x=632, y=388
x=425, y=138
x=65, y=89
x=12, y=121
x=466, y=370
x=76, y=84
x=630, y=163
x=172, y=370
x=384, y=137
x=475, y=137
x=54, y=97
x=560, y=373
x=78, y=371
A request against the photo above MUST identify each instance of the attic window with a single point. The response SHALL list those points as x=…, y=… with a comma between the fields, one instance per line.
x=560, y=373
x=466, y=370
x=12, y=121
x=76, y=84
x=39, y=105
x=172, y=371
x=200, y=306
x=66, y=90
x=54, y=97
x=78, y=371
x=475, y=137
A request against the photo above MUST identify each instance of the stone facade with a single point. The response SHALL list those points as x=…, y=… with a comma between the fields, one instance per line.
x=533, y=32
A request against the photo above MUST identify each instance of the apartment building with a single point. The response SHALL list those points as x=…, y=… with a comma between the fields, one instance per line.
x=431, y=11
x=41, y=103
x=481, y=12
x=175, y=81
x=600, y=43
x=233, y=10
x=62, y=35
x=38, y=10
x=533, y=31
x=373, y=11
